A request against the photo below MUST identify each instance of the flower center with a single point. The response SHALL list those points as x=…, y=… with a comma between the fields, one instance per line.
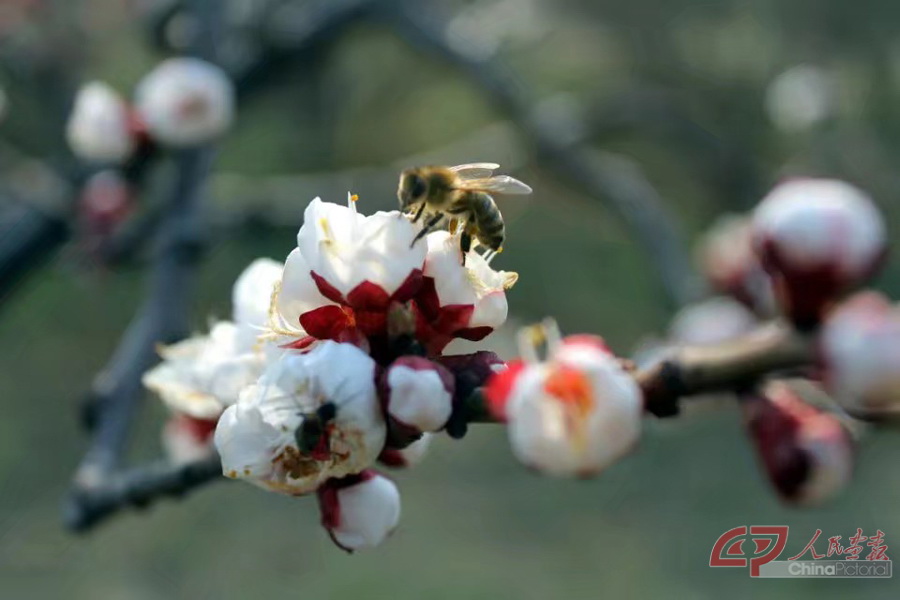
x=572, y=389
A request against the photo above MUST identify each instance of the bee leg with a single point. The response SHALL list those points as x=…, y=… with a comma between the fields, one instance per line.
x=429, y=226
x=465, y=244
x=419, y=212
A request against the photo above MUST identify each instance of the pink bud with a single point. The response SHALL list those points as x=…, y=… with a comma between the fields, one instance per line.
x=359, y=511
x=817, y=238
x=859, y=347
x=806, y=452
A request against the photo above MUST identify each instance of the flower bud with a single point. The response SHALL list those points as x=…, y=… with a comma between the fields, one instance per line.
x=105, y=202
x=99, y=127
x=727, y=258
x=185, y=102
x=859, y=347
x=817, y=238
x=359, y=511
x=418, y=393
x=806, y=452
x=572, y=415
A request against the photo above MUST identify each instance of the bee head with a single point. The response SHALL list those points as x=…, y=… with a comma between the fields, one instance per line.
x=413, y=189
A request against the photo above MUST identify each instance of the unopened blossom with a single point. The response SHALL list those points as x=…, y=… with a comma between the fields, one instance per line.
x=459, y=300
x=711, y=321
x=727, y=258
x=185, y=102
x=347, y=270
x=817, y=238
x=418, y=394
x=186, y=439
x=859, y=347
x=410, y=456
x=264, y=438
x=99, y=127
x=573, y=414
x=359, y=511
x=806, y=452
x=201, y=375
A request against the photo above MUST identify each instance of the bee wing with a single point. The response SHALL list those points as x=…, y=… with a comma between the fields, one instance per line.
x=475, y=170
x=502, y=184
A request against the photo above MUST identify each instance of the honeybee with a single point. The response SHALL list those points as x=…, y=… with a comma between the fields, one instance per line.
x=313, y=427
x=462, y=193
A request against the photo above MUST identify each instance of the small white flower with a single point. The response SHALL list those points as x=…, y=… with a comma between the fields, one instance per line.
x=185, y=102
x=419, y=393
x=572, y=415
x=98, y=129
x=817, y=237
x=860, y=347
x=202, y=375
x=257, y=437
x=361, y=261
x=361, y=511
x=711, y=321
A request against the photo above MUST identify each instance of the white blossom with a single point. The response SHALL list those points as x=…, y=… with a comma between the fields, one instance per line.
x=185, y=102
x=800, y=97
x=347, y=249
x=257, y=438
x=98, y=129
x=575, y=413
x=203, y=374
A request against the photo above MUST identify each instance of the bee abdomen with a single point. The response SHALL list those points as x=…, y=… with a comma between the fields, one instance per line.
x=490, y=229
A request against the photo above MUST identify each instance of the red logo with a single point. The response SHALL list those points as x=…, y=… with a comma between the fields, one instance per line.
x=768, y=543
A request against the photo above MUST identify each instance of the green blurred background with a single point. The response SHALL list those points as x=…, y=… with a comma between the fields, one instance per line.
x=475, y=524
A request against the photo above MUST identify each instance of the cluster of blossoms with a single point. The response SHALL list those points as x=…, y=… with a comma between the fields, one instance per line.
x=181, y=103
x=334, y=361
x=802, y=254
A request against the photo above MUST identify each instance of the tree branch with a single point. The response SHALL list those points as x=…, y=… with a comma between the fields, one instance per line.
x=138, y=488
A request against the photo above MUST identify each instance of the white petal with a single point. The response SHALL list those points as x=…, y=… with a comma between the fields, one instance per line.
x=251, y=297
x=298, y=293
x=369, y=512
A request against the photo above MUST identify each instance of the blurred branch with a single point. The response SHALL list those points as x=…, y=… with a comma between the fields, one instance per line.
x=614, y=179
x=137, y=488
x=162, y=317
x=28, y=237
x=729, y=366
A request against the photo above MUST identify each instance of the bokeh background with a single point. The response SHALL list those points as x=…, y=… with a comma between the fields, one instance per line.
x=712, y=101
